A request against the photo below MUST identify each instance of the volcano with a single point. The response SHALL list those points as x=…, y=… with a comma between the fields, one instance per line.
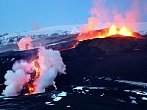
x=102, y=73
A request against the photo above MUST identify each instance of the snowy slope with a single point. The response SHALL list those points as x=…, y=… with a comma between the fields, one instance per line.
x=12, y=38
x=54, y=31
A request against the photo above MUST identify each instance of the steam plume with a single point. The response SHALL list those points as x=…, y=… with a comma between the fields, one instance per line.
x=16, y=78
x=50, y=64
x=102, y=16
x=25, y=43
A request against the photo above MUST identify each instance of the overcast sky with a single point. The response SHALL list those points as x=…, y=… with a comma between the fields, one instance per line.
x=24, y=15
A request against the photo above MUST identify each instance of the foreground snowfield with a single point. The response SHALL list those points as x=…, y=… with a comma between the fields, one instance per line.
x=54, y=31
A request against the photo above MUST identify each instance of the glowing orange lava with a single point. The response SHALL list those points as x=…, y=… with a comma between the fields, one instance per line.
x=31, y=87
x=112, y=31
x=125, y=31
x=36, y=68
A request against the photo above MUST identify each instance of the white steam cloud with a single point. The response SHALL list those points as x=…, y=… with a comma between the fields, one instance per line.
x=50, y=62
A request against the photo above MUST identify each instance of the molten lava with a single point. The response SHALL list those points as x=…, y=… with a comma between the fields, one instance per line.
x=124, y=31
x=35, y=66
x=112, y=31
x=31, y=89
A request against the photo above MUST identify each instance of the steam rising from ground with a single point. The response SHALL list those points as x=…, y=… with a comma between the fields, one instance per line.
x=25, y=43
x=50, y=64
x=16, y=78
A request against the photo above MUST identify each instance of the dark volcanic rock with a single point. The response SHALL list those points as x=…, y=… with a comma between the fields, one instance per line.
x=115, y=57
x=93, y=79
x=107, y=46
x=118, y=45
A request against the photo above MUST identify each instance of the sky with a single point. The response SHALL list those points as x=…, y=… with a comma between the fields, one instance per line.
x=25, y=15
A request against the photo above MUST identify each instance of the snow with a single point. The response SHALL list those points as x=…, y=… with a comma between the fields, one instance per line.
x=59, y=96
x=144, y=98
x=62, y=94
x=78, y=88
x=141, y=84
x=134, y=102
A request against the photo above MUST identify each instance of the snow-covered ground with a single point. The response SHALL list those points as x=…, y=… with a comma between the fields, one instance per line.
x=55, y=31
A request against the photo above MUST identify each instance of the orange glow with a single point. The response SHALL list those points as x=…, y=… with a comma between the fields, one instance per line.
x=108, y=32
x=31, y=89
x=113, y=30
x=125, y=31
x=36, y=68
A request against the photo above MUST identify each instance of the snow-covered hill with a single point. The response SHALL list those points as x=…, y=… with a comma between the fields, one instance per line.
x=55, y=31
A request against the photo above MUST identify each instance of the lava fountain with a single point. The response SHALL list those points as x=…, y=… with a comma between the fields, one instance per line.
x=112, y=31
x=110, y=22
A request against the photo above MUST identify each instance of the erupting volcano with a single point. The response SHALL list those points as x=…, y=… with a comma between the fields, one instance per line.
x=113, y=31
x=104, y=58
x=110, y=22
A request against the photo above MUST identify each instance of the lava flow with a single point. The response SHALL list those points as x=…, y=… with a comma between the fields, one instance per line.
x=31, y=87
x=113, y=31
x=36, y=68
